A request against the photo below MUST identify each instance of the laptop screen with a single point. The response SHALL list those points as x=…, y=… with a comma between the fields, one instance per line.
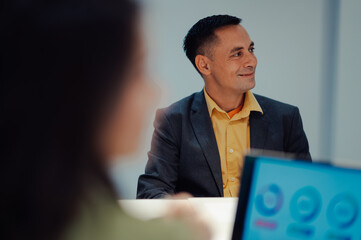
x=283, y=199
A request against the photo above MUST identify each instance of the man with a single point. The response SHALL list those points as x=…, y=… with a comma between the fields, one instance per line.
x=199, y=142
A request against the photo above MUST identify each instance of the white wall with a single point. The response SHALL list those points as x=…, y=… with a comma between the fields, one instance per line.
x=347, y=144
x=288, y=41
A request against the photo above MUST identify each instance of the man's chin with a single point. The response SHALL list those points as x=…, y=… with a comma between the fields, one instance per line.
x=246, y=86
x=253, y=85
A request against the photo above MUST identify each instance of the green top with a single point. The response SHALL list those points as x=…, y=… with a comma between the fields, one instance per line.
x=100, y=217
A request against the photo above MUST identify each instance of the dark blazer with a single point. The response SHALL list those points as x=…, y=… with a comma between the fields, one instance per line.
x=184, y=154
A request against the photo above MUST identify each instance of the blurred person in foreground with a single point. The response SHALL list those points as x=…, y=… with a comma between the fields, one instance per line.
x=199, y=142
x=74, y=94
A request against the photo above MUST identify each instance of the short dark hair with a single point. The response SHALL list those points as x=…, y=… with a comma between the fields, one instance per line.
x=202, y=33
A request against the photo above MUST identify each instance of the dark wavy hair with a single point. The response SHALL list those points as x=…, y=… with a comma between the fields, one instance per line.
x=61, y=64
x=202, y=34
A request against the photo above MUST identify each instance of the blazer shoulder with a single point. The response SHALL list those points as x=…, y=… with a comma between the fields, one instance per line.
x=180, y=107
x=269, y=105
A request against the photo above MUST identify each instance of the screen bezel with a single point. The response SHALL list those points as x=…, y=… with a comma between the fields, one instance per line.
x=244, y=192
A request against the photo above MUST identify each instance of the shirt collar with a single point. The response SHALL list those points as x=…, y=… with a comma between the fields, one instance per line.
x=250, y=104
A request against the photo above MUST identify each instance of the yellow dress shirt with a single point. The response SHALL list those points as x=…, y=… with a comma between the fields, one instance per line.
x=233, y=139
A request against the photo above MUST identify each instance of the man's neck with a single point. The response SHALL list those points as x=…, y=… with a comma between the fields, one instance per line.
x=227, y=102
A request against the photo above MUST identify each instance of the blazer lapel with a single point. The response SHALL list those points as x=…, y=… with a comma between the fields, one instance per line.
x=202, y=127
x=258, y=130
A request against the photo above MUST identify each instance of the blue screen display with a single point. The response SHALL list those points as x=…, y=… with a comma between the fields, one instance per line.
x=297, y=200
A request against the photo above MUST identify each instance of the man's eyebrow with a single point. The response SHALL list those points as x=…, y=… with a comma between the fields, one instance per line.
x=235, y=49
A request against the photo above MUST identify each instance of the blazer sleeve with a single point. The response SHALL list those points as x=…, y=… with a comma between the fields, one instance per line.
x=161, y=171
x=296, y=141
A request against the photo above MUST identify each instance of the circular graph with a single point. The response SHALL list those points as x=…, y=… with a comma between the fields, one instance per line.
x=305, y=204
x=269, y=200
x=342, y=211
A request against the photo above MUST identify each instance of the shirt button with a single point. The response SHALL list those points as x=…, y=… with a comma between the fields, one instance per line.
x=232, y=179
x=231, y=150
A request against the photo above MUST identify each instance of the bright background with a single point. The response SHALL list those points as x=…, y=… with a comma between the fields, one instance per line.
x=308, y=52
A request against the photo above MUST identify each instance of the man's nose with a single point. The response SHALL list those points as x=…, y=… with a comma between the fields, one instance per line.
x=251, y=61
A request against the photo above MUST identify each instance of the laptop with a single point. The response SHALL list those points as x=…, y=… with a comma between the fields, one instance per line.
x=285, y=199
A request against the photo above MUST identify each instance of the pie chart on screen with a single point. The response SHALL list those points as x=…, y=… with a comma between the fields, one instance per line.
x=269, y=200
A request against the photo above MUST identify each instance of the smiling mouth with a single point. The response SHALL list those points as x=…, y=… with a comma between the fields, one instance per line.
x=247, y=74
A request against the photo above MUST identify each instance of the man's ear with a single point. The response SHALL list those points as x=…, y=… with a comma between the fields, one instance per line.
x=202, y=63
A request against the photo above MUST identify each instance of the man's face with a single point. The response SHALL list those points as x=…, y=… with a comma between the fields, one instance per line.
x=233, y=63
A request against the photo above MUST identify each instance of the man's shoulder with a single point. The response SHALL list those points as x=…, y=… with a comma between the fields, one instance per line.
x=183, y=105
x=270, y=105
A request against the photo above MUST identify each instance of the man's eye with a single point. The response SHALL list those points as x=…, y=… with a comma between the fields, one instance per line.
x=237, y=54
x=252, y=50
